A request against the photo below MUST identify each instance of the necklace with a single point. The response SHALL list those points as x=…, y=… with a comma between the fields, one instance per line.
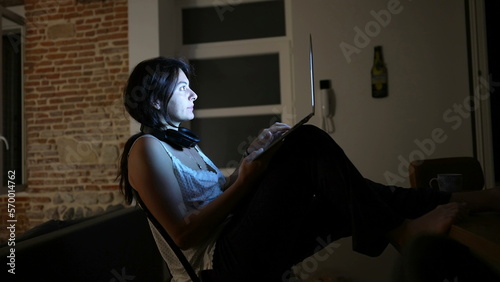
x=190, y=155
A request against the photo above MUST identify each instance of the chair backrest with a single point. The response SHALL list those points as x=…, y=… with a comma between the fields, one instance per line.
x=180, y=255
x=421, y=172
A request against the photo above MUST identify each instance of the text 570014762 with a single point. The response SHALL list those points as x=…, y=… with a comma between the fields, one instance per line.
x=11, y=222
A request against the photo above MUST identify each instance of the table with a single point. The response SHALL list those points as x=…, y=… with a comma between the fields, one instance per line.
x=481, y=233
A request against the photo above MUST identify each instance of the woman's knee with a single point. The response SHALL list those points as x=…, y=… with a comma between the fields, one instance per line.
x=306, y=131
x=311, y=136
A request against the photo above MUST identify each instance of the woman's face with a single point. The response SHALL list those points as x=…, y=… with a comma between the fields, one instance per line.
x=181, y=105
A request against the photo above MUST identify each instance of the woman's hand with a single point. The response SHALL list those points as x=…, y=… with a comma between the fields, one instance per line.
x=250, y=170
x=267, y=136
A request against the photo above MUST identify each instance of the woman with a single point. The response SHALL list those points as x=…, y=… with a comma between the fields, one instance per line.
x=270, y=213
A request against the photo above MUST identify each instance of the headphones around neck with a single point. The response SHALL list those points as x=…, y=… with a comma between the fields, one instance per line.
x=181, y=138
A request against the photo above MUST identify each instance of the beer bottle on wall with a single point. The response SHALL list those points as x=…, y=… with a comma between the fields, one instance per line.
x=379, y=75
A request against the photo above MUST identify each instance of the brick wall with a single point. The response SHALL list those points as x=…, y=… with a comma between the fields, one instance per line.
x=76, y=63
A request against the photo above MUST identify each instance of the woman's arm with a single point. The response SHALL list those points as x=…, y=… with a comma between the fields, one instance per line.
x=151, y=174
x=232, y=178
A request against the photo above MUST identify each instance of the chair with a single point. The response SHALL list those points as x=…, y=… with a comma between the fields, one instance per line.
x=421, y=172
x=205, y=275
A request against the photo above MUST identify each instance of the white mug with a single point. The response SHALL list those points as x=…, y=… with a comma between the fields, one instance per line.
x=448, y=182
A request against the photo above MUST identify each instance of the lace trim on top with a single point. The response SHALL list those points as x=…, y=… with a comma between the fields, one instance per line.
x=198, y=188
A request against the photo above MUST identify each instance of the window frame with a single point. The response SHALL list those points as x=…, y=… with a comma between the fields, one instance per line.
x=16, y=25
x=244, y=48
x=225, y=49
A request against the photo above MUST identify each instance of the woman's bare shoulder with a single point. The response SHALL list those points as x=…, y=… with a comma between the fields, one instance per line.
x=147, y=159
x=147, y=146
x=152, y=175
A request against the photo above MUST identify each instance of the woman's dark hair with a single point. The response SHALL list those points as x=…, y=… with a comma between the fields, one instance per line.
x=151, y=82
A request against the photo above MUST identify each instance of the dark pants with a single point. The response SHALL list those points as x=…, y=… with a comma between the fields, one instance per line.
x=312, y=193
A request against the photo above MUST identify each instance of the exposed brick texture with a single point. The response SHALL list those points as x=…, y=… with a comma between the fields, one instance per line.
x=76, y=63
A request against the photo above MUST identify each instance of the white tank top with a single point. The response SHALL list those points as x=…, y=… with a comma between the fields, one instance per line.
x=198, y=187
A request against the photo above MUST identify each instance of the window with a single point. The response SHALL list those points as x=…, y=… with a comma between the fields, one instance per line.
x=11, y=103
x=223, y=21
x=242, y=72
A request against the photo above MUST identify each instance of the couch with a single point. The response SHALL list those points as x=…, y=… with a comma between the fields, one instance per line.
x=115, y=246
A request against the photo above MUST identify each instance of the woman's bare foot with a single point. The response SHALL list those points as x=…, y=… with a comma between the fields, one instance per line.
x=437, y=221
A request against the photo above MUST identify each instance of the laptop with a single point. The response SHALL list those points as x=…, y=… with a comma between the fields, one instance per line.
x=313, y=105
